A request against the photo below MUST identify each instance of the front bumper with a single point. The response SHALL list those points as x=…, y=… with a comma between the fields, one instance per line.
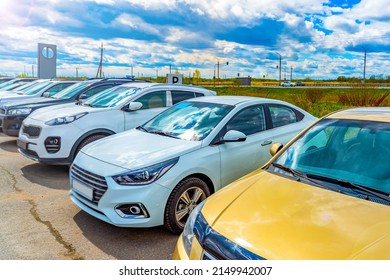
x=11, y=124
x=152, y=197
x=34, y=134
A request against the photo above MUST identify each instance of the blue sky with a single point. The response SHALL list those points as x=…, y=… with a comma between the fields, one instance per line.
x=316, y=39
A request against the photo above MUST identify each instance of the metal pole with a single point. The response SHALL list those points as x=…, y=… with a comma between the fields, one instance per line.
x=291, y=74
x=364, y=67
x=280, y=67
x=218, y=71
x=214, y=74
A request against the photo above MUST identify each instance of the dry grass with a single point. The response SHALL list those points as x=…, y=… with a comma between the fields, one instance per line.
x=364, y=96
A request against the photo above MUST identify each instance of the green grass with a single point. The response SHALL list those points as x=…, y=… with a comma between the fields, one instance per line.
x=327, y=101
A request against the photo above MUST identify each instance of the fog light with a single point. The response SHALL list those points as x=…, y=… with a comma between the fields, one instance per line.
x=53, y=144
x=132, y=211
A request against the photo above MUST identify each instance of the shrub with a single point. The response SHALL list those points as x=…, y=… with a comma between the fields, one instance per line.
x=364, y=96
x=314, y=94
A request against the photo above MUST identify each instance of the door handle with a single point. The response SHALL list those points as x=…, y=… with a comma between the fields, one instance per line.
x=266, y=142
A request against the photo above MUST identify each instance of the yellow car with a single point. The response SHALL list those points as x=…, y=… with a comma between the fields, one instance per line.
x=325, y=195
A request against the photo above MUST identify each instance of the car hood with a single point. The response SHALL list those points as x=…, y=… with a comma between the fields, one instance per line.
x=278, y=218
x=33, y=102
x=63, y=110
x=135, y=149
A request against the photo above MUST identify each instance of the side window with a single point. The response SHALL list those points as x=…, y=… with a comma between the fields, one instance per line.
x=178, y=96
x=57, y=88
x=95, y=90
x=282, y=115
x=156, y=99
x=351, y=134
x=248, y=121
x=318, y=139
x=198, y=94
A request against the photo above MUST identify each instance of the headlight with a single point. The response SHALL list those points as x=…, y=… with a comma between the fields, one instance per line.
x=20, y=111
x=188, y=231
x=65, y=120
x=145, y=175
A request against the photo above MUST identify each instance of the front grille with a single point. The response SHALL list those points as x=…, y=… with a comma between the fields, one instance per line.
x=2, y=111
x=31, y=131
x=96, y=182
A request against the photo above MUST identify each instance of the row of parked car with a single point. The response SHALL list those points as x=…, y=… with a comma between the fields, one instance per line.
x=145, y=154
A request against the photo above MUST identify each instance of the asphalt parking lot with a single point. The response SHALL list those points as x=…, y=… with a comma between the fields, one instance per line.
x=39, y=221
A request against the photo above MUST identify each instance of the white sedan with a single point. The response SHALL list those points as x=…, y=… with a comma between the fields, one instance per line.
x=287, y=84
x=157, y=173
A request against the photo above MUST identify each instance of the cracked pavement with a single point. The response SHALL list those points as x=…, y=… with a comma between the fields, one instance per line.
x=39, y=221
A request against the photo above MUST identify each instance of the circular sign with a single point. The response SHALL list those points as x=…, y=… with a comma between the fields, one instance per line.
x=47, y=52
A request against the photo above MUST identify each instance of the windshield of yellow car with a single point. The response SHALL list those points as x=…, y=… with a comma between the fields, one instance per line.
x=352, y=151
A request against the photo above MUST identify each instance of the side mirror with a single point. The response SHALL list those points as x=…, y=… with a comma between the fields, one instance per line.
x=234, y=136
x=46, y=94
x=276, y=147
x=133, y=106
x=83, y=96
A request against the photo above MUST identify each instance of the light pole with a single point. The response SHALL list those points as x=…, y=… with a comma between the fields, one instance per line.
x=291, y=74
x=280, y=67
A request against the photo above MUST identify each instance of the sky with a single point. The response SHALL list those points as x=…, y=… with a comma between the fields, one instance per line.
x=314, y=39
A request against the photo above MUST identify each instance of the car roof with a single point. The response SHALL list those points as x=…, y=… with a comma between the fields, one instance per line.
x=381, y=114
x=164, y=85
x=235, y=100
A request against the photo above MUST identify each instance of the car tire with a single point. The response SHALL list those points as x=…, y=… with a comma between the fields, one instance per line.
x=88, y=140
x=183, y=199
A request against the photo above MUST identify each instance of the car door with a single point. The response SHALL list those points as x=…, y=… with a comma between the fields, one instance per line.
x=285, y=122
x=152, y=104
x=240, y=158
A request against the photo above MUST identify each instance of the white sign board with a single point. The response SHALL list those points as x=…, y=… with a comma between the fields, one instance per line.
x=175, y=79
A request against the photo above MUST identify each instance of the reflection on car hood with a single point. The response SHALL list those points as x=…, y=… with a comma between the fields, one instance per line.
x=63, y=110
x=278, y=218
x=135, y=149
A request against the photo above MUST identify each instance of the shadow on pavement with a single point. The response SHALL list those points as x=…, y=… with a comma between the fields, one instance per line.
x=127, y=243
x=50, y=176
x=9, y=146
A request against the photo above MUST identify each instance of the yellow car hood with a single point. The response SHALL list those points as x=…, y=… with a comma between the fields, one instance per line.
x=280, y=218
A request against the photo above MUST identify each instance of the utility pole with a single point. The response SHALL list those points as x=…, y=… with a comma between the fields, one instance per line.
x=291, y=74
x=280, y=67
x=364, y=67
x=100, y=68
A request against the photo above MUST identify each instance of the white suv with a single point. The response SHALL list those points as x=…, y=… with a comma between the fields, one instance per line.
x=55, y=134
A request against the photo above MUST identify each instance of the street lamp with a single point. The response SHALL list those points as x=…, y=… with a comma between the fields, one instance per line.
x=280, y=66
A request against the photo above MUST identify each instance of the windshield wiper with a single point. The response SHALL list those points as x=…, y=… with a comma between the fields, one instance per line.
x=353, y=186
x=159, y=132
x=299, y=175
x=142, y=128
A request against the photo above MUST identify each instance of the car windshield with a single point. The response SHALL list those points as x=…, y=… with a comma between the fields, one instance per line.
x=352, y=151
x=71, y=91
x=111, y=97
x=25, y=86
x=6, y=84
x=13, y=86
x=191, y=121
x=35, y=88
